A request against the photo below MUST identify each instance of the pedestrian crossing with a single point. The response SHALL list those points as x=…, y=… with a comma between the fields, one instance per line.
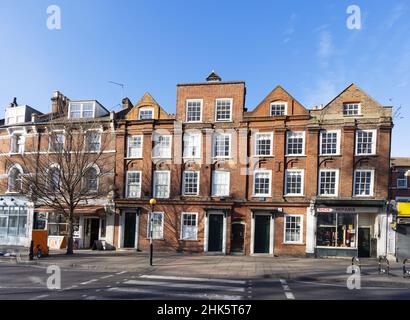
x=174, y=287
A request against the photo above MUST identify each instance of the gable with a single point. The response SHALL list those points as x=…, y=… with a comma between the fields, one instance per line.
x=354, y=95
x=145, y=103
x=278, y=95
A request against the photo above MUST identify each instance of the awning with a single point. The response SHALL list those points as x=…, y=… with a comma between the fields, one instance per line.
x=403, y=209
x=80, y=211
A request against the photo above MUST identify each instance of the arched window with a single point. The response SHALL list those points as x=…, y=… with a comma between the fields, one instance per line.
x=54, y=177
x=91, y=179
x=15, y=179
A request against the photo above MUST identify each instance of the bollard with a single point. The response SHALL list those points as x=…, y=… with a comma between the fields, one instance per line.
x=406, y=272
x=356, y=262
x=31, y=254
x=385, y=270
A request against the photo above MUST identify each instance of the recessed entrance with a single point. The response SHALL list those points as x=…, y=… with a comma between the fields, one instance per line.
x=262, y=234
x=92, y=229
x=215, y=237
x=238, y=238
x=364, y=243
x=129, y=229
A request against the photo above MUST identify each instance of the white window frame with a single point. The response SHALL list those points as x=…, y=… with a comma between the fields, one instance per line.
x=85, y=182
x=139, y=155
x=127, y=184
x=374, y=142
x=155, y=183
x=168, y=154
x=302, y=182
x=50, y=140
x=145, y=109
x=371, y=183
x=230, y=109
x=336, y=183
x=262, y=195
x=288, y=133
x=228, y=173
x=197, y=183
x=149, y=225
x=405, y=186
x=338, y=135
x=182, y=226
x=301, y=216
x=198, y=147
x=273, y=103
x=359, y=109
x=214, y=144
x=255, y=144
x=81, y=103
x=186, y=110
x=99, y=140
x=13, y=142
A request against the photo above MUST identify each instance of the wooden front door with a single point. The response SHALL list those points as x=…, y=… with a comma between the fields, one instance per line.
x=215, y=235
x=129, y=229
x=262, y=234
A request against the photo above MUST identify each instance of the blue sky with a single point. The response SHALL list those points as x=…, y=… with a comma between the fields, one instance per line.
x=152, y=45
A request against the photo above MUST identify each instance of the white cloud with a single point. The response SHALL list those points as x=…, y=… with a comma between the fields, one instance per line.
x=395, y=14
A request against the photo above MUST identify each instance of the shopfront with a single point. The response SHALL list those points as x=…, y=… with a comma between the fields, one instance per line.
x=349, y=231
x=15, y=222
x=90, y=225
x=403, y=230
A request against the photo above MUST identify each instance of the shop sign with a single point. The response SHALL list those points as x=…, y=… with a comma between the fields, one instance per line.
x=403, y=208
x=340, y=210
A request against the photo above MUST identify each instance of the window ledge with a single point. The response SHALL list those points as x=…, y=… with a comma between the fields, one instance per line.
x=365, y=155
x=295, y=155
x=330, y=155
x=133, y=158
x=294, y=195
x=294, y=243
x=190, y=240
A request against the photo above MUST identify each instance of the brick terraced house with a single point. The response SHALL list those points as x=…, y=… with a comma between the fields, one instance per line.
x=278, y=180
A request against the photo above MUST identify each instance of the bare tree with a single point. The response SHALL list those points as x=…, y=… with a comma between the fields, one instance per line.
x=73, y=170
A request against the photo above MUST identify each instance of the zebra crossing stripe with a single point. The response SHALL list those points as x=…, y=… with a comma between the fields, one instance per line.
x=184, y=285
x=193, y=279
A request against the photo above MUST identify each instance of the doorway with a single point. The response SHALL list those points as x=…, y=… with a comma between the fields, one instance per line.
x=364, y=243
x=237, y=238
x=215, y=237
x=129, y=229
x=92, y=230
x=262, y=234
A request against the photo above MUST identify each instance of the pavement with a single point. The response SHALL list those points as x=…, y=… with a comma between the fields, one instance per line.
x=330, y=270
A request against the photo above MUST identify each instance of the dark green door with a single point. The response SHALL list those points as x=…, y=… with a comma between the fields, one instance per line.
x=215, y=232
x=262, y=234
x=129, y=230
x=364, y=243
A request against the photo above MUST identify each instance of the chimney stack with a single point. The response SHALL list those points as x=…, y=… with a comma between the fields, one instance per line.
x=126, y=103
x=59, y=103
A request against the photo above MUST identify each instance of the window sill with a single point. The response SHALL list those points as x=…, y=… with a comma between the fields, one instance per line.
x=330, y=155
x=261, y=195
x=294, y=195
x=190, y=240
x=133, y=158
x=365, y=154
x=263, y=156
x=294, y=243
x=295, y=155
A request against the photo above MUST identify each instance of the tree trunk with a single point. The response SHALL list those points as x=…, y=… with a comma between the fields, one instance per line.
x=70, y=238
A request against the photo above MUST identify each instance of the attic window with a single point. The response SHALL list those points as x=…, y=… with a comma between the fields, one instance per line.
x=278, y=109
x=146, y=113
x=351, y=109
x=79, y=110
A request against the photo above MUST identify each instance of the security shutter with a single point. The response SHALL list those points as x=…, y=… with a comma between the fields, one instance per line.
x=403, y=241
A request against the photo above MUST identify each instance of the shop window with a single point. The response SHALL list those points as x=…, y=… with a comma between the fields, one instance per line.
x=40, y=221
x=336, y=230
x=57, y=224
x=13, y=221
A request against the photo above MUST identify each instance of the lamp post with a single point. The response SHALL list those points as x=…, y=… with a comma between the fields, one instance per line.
x=152, y=202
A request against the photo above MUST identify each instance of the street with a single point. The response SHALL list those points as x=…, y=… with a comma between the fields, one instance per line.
x=30, y=283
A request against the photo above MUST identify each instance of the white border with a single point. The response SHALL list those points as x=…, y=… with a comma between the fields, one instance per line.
x=270, y=184
x=302, y=188
x=336, y=183
x=230, y=112
x=182, y=224
x=186, y=110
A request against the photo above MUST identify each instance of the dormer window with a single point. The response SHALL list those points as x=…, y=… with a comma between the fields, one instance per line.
x=351, y=109
x=278, y=109
x=146, y=113
x=78, y=110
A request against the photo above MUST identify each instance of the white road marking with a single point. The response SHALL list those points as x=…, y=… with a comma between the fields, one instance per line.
x=88, y=282
x=106, y=277
x=184, y=285
x=344, y=286
x=288, y=293
x=40, y=297
x=122, y=272
x=179, y=294
x=193, y=279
